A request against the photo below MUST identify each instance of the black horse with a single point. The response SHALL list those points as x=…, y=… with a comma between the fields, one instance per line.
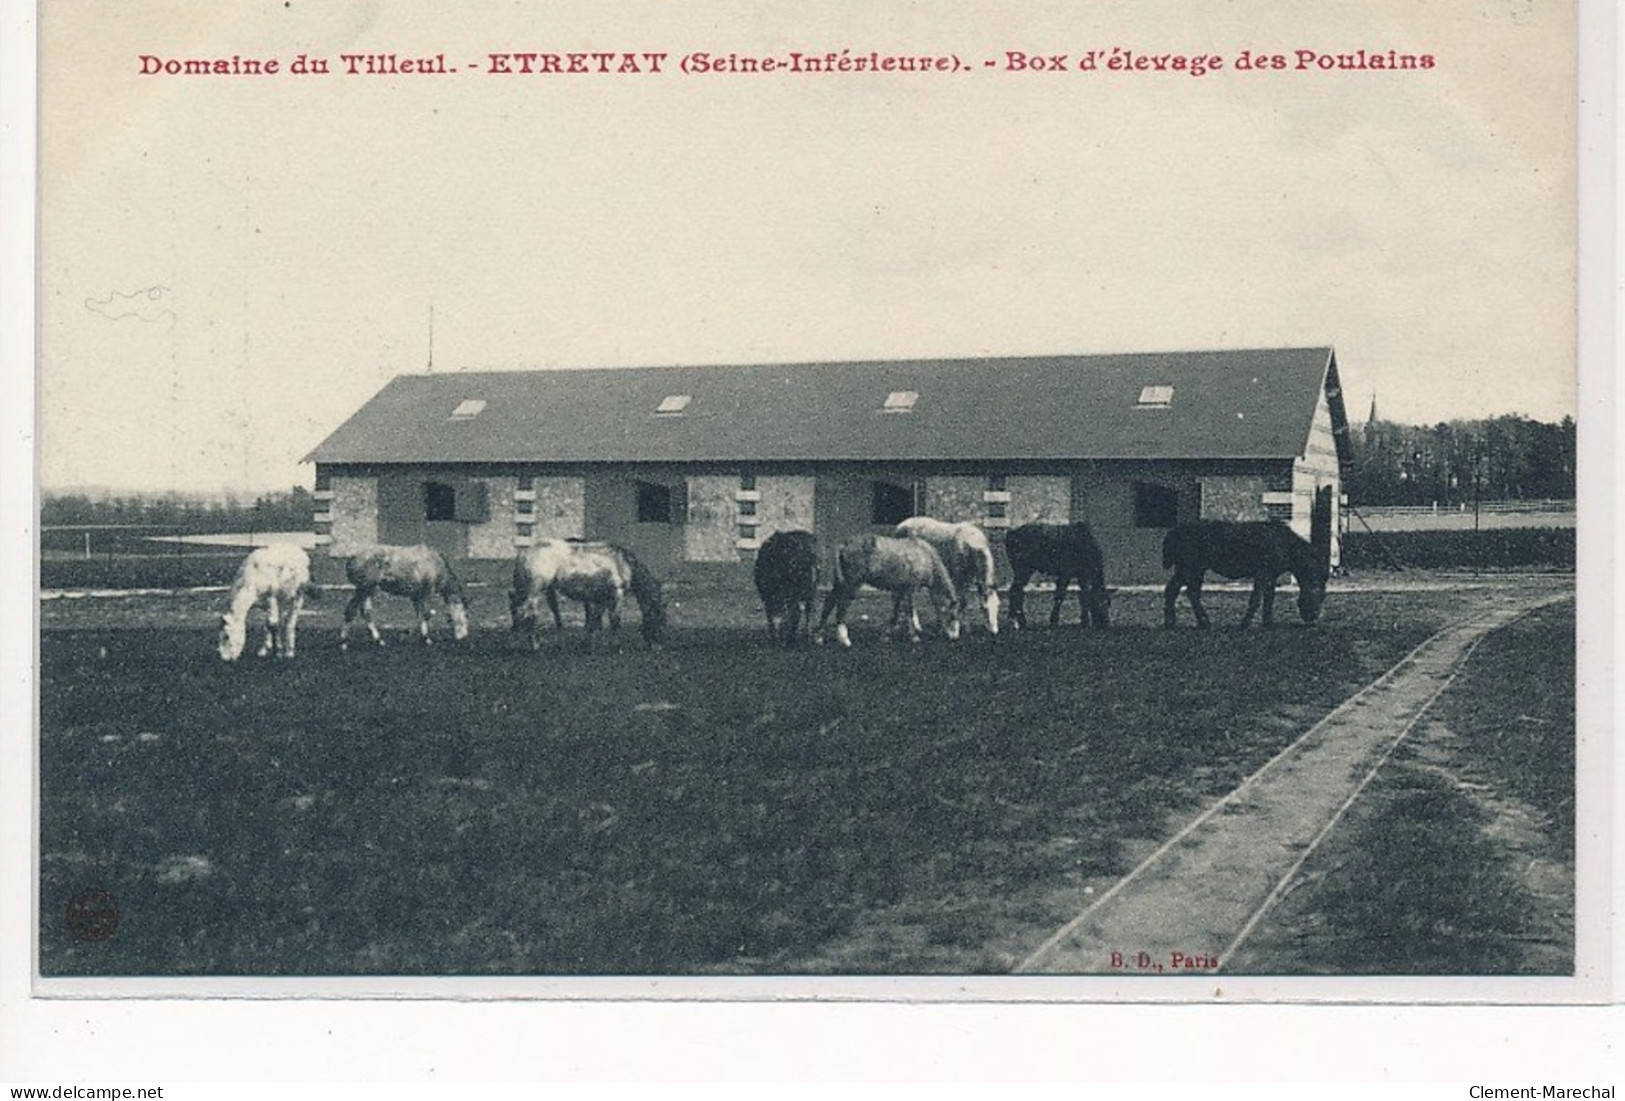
x=787, y=581
x=1260, y=550
x=1064, y=552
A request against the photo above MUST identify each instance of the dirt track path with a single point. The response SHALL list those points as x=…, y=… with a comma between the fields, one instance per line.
x=1193, y=902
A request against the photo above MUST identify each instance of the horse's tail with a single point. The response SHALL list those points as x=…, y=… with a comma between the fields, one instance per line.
x=942, y=578
x=1171, y=544
x=837, y=573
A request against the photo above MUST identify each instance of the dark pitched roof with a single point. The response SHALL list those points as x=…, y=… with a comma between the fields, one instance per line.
x=1225, y=404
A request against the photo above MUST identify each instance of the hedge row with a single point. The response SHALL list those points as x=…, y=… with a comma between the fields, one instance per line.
x=151, y=572
x=1498, y=548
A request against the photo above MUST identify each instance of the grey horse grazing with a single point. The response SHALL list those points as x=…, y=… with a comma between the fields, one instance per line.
x=1256, y=550
x=600, y=575
x=786, y=575
x=277, y=576
x=417, y=572
x=897, y=566
x=965, y=550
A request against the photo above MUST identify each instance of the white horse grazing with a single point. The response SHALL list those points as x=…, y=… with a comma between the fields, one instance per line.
x=600, y=575
x=274, y=575
x=418, y=572
x=964, y=549
x=897, y=566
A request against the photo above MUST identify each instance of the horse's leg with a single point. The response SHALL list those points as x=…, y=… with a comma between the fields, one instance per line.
x=420, y=604
x=273, y=623
x=290, y=625
x=350, y=610
x=1061, y=582
x=367, y=618
x=1193, y=589
x=903, y=600
x=535, y=612
x=1083, y=599
x=790, y=629
x=595, y=620
x=1018, y=598
x=831, y=599
x=838, y=600
x=1268, y=619
x=1170, y=597
x=1253, y=599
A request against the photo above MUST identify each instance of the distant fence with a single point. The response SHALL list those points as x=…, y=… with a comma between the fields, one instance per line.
x=141, y=556
x=1439, y=507
x=1460, y=516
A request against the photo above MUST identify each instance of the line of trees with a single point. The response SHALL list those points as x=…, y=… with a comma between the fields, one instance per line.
x=1505, y=458
x=184, y=513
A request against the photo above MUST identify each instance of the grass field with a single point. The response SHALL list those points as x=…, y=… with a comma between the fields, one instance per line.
x=712, y=807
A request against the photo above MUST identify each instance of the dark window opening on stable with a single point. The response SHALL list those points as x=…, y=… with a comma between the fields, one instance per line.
x=654, y=503
x=439, y=501
x=747, y=508
x=1155, y=506
x=324, y=480
x=892, y=503
x=995, y=483
x=747, y=479
x=997, y=510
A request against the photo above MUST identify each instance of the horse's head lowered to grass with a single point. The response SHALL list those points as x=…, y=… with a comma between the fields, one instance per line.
x=277, y=576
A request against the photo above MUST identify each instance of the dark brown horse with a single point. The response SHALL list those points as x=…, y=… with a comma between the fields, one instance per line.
x=1259, y=551
x=1064, y=552
x=786, y=577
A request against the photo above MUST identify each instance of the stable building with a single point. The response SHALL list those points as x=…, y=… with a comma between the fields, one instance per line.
x=689, y=466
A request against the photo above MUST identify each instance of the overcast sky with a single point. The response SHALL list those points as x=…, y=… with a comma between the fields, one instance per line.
x=232, y=265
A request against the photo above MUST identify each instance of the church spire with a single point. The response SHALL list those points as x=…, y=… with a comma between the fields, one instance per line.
x=1371, y=432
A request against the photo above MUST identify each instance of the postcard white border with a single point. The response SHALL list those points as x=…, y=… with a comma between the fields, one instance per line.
x=800, y=1032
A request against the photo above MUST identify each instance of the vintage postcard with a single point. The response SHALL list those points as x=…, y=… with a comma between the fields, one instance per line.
x=907, y=501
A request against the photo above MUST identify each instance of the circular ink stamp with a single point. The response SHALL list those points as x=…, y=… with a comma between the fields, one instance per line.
x=92, y=914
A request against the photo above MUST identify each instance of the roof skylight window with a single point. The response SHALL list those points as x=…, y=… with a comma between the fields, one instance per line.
x=1156, y=397
x=672, y=405
x=900, y=401
x=468, y=410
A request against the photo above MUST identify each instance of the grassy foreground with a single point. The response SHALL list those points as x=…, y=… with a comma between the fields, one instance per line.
x=713, y=806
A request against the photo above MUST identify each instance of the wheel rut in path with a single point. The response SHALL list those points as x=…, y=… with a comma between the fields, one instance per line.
x=1188, y=906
